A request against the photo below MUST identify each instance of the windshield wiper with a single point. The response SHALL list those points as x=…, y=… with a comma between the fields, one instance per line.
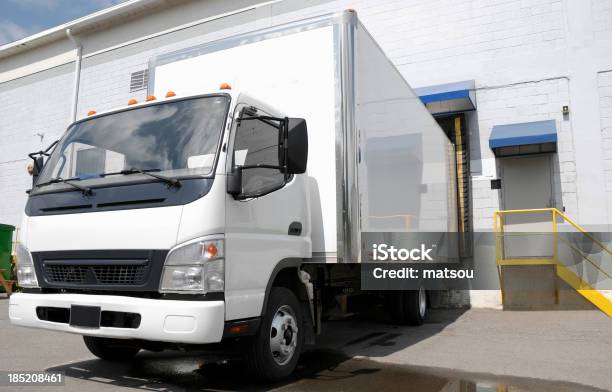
x=85, y=190
x=168, y=180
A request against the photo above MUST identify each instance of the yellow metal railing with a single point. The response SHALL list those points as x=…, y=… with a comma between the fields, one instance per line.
x=498, y=227
x=558, y=238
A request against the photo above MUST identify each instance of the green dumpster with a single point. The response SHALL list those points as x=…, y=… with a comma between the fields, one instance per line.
x=6, y=244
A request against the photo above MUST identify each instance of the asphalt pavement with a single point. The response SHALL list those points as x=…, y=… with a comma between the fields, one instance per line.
x=457, y=350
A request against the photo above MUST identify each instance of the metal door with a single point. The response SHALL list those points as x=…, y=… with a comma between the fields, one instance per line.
x=527, y=184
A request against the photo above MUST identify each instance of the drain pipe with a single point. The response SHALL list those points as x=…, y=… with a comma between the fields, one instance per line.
x=77, y=74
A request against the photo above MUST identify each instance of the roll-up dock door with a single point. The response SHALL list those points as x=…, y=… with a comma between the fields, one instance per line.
x=454, y=127
x=448, y=103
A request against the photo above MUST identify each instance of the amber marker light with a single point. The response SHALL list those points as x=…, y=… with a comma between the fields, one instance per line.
x=132, y=102
x=170, y=94
x=151, y=98
x=240, y=328
x=225, y=86
x=211, y=251
x=91, y=112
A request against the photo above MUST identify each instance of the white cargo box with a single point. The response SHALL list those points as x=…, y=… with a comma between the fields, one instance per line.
x=378, y=161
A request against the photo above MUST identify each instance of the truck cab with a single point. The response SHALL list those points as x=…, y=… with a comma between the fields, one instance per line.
x=167, y=221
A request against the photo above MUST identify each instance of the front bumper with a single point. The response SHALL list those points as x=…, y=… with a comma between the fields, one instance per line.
x=193, y=322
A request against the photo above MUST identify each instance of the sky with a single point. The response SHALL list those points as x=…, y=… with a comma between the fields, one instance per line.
x=20, y=18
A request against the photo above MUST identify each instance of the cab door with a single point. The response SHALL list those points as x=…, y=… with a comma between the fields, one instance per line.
x=261, y=222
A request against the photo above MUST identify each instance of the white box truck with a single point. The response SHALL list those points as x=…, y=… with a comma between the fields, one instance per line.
x=204, y=215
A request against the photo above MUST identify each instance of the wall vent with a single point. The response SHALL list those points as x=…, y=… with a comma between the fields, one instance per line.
x=138, y=80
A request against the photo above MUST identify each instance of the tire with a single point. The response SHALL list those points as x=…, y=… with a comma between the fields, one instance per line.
x=408, y=307
x=112, y=350
x=282, y=312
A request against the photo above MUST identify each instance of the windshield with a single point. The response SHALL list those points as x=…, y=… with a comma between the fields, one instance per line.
x=175, y=139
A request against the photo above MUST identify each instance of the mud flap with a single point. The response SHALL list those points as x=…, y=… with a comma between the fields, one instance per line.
x=309, y=329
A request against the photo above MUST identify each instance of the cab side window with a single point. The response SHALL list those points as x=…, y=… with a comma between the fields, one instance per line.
x=256, y=143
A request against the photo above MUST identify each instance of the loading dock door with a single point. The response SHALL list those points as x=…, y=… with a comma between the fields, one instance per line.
x=527, y=184
x=455, y=129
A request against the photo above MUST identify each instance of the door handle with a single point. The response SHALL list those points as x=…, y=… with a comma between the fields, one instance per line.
x=295, y=228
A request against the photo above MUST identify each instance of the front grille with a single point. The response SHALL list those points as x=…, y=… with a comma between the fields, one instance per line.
x=124, y=274
x=109, y=270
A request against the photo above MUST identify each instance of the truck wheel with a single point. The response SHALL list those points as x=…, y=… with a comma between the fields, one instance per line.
x=416, y=306
x=408, y=307
x=112, y=350
x=273, y=353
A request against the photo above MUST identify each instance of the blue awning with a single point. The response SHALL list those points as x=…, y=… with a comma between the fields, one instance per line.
x=449, y=98
x=537, y=132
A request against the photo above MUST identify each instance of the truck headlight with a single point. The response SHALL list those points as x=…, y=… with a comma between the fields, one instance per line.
x=195, y=267
x=26, y=275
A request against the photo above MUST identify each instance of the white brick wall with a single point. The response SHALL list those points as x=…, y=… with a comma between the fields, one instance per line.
x=37, y=104
x=602, y=18
x=605, y=107
x=484, y=202
x=414, y=31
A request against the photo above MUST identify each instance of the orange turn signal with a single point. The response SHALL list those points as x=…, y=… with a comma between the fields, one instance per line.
x=91, y=112
x=170, y=94
x=225, y=86
x=132, y=102
x=151, y=98
x=212, y=250
x=240, y=328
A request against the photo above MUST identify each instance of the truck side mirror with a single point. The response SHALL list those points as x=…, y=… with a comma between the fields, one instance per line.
x=38, y=165
x=37, y=168
x=234, y=182
x=297, y=146
x=39, y=161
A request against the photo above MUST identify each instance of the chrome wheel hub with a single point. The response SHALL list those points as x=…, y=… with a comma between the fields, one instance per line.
x=283, y=335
